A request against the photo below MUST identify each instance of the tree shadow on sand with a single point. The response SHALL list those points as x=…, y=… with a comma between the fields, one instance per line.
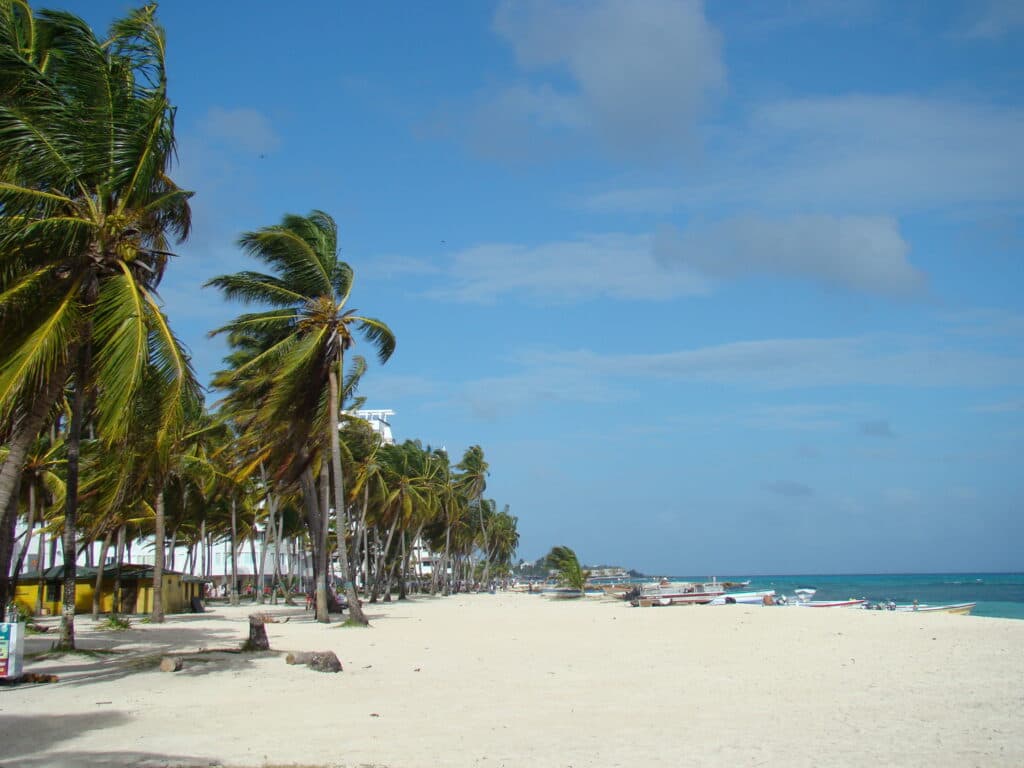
x=28, y=742
x=121, y=656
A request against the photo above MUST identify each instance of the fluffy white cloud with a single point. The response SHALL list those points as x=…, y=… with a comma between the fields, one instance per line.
x=860, y=253
x=855, y=153
x=638, y=73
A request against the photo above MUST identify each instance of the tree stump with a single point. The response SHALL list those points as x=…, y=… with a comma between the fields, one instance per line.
x=171, y=664
x=324, y=661
x=258, y=640
x=321, y=661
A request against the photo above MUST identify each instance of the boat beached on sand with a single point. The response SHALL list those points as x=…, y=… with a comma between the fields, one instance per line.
x=676, y=593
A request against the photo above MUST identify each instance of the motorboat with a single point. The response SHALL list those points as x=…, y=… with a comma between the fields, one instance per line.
x=744, y=598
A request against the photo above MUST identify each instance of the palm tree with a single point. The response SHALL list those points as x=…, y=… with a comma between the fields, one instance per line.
x=86, y=208
x=504, y=539
x=472, y=481
x=564, y=561
x=298, y=355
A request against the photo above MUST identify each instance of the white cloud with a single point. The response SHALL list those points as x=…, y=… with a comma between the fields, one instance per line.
x=615, y=265
x=854, y=153
x=865, y=254
x=861, y=253
x=247, y=128
x=541, y=376
x=639, y=73
x=879, y=360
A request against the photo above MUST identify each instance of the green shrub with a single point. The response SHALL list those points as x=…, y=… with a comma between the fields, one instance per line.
x=114, y=623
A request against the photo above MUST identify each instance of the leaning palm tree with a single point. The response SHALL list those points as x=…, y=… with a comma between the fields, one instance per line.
x=298, y=347
x=565, y=563
x=86, y=208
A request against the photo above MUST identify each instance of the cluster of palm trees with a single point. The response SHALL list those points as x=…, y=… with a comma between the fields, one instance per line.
x=104, y=433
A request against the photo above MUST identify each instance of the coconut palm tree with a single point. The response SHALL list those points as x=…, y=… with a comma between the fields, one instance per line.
x=472, y=482
x=504, y=539
x=564, y=561
x=86, y=210
x=298, y=361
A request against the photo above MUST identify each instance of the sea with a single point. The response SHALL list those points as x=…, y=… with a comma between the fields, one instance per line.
x=1000, y=595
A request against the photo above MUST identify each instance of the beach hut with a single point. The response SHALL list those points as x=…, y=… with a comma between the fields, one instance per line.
x=136, y=592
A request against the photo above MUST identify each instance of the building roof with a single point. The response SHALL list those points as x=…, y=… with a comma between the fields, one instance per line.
x=129, y=572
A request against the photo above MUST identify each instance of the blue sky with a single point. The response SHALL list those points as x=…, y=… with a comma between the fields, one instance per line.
x=726, y=288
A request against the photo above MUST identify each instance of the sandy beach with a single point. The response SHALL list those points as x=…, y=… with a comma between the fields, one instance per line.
x=517, y=680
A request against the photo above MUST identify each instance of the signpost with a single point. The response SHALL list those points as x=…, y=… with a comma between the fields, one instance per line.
x=12, y=649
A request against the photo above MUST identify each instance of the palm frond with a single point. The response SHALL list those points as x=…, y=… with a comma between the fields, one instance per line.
x=379, y=335
x=122, y=340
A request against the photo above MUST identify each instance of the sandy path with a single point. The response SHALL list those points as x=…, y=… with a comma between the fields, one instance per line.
x=518, y=680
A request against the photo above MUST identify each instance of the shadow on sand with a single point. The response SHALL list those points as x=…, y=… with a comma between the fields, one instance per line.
x=29, y=742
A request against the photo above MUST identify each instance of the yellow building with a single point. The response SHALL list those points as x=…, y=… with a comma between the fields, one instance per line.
x=136, y=592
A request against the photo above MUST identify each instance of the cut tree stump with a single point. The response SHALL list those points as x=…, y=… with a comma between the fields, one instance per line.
x=171, y=664
x=258, y=640
x=321, y=661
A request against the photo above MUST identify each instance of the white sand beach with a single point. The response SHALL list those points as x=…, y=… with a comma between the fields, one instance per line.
x=520, y=680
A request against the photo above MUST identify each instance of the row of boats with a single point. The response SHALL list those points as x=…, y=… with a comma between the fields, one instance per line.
x=666, y=593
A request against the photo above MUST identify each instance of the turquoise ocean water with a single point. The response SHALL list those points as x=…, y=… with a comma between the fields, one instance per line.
x=999, y=595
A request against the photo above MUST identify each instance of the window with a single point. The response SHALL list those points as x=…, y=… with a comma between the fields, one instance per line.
x=53, y=591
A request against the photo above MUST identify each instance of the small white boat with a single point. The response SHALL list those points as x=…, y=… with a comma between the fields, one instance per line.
x=961, y=609
x=851, y=603
x=743, y=598
x=678, y=593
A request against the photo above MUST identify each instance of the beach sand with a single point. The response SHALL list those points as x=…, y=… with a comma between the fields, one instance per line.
x=521, y=680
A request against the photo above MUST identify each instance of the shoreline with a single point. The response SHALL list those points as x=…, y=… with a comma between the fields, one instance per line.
x=512, y=679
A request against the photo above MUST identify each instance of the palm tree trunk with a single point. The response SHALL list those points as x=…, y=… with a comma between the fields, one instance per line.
x=266, y=538
x=447, y=590
x=171, y=559
x=83, y=369
x=157, y=616
x=41, y=586
x=403, y=570
x=117, y=606
x=366, y=538
x=278, y=533
x=381, y=558
x=7, y=529
x=315, y=527
x=16, y=571
x=355, y=612
x=257, y=587
x=24, y=434
x=234, y=553
x=96, y=592
x=324, y=532
x=202, y=544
